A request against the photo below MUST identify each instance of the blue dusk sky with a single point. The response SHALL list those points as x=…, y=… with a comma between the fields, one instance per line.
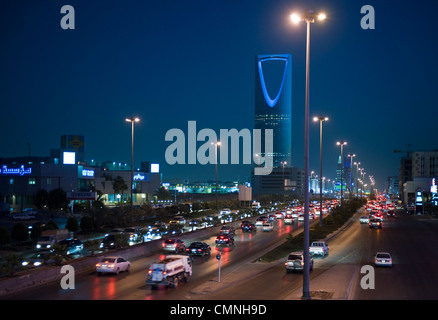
x=173, y=61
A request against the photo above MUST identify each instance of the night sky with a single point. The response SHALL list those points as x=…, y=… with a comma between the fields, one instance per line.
x=173, y=61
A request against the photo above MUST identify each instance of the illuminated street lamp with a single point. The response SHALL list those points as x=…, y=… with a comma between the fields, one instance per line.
x=132, y=120
x=321, y=120
x=309, y=17
x=342, y=143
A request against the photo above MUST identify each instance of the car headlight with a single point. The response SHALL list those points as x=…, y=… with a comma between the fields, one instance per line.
x=25, y=263
x=37, y=263
x=38, y=246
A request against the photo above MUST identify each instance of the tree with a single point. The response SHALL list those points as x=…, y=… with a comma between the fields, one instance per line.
x=41, y=199
x=92, y=246
x=86, y=224
x=12, y=264
x=72, y=224
x=57, y=199
x=162, y=193
x=5, y=237
x=119, y=186
x=59, y=253
x=19, y=232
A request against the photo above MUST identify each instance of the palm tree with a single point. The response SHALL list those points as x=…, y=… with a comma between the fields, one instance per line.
x=119, y=186
x=12, y=264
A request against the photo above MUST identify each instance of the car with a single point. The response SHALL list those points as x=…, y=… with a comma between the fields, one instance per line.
x=38, y=259
x=112, y=265
x=390, y=213
x=108, y=242
x=178, y=220
x=173, y=245
x=383, y=259
x=22, y=216
x=280, y=214
x=248, y=227
x=288, y=219
x=224, y=239
x=295, y=262
x=272, y=217
x=74, y=246
x=198, y=248
x=364, y=219
x=261, y=220
x=375, y=223
x=267, y=226
x=227, y=230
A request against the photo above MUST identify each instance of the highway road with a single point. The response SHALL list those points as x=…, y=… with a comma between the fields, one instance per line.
x=131, y=286
x=411, y=240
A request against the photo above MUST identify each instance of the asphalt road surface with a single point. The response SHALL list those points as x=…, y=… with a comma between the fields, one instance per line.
x=411, y=240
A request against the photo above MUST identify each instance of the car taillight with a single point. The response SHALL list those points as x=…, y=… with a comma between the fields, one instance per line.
x=163, y=244
x=149, y=271
x=98, y=265
x=174, y=245
x=199, y=249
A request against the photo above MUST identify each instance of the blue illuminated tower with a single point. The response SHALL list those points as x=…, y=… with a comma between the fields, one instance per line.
x=273, y=108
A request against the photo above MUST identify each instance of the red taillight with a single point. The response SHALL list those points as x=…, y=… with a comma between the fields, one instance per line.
x=163, y=244
x=174, y=245
x=98, y=265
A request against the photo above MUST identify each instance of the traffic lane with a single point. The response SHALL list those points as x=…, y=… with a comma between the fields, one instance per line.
x=276, y=284
x=131, y=286
x=412, y=243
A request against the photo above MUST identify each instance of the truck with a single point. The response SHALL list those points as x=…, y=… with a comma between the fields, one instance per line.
x=319, y=248
x=170, y=271
x=49, y=237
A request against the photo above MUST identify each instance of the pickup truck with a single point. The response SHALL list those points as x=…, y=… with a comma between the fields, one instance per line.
x=319, y=248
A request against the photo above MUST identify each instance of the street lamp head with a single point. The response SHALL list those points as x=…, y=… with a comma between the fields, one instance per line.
x=341, y=143
x=322, y=16
x=309, y=16
x=320, y=118
x=136, y=119
x=296, y=18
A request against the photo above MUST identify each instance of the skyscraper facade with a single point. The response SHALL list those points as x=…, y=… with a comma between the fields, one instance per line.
x=273, y=108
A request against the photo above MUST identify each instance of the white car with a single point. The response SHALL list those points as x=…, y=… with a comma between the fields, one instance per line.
x=112, y=265
x=382, y=259
x=267, y=226
x=364, y=219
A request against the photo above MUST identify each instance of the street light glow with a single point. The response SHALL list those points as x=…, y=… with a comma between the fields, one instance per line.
x=322, y=16
x=295, y=18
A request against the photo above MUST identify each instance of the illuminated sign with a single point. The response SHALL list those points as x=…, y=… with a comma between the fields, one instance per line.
x=20, y=171
x=155, y=168
x=87, y=173
x=433, y=188
x=269, y=101
x=69, y=157
x=139, y=176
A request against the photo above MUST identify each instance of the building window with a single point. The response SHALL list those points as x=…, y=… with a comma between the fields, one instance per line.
x=11, y=181
x=31, y=180
x=49, y=181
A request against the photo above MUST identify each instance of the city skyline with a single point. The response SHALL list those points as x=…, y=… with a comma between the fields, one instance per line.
x=169, y=63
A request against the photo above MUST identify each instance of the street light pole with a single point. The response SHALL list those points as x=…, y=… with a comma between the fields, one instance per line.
x=342, y=143
x=321, y=120
x=215, y=158
x=132, y=120
x=309, y=17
